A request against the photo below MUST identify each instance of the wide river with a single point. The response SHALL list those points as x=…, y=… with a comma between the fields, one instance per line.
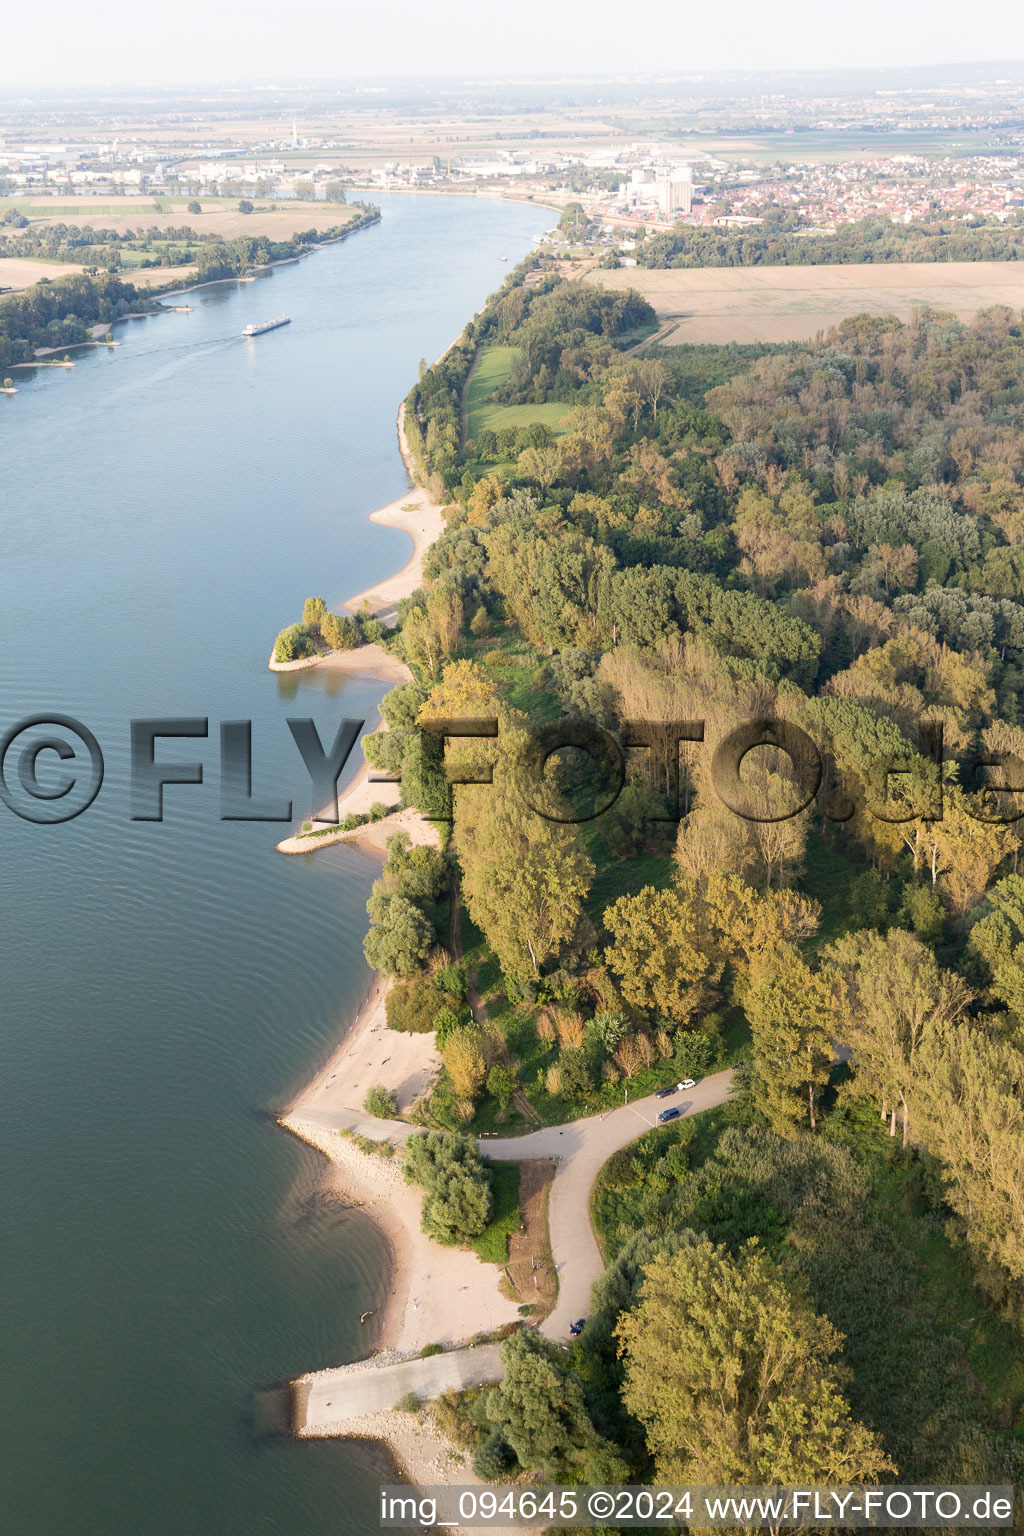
x=165, y=1249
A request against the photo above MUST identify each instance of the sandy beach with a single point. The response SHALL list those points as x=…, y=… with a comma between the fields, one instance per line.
x=420, y=516
x=455, y=1294
x=439, y=1295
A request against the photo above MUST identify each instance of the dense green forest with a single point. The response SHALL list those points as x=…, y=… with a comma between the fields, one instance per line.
x=779, y=244
x=59, y=313
x=828, y=538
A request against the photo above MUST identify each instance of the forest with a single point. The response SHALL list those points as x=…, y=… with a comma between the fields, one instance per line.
x=59, y=313
x=826, y=540
x=780, y=243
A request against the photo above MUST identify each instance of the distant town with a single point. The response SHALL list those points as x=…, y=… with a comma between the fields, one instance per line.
x=687, y=152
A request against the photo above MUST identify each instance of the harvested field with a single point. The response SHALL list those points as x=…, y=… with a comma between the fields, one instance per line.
x=745, y=304
x=220, y=217
x=18, y=273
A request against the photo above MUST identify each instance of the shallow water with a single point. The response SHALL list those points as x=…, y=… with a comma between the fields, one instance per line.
x=165, y=1249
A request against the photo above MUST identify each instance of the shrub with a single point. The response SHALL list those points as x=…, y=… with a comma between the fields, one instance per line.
x=446, y=1022
x=458, y=1185
x=501, y=1084
x=293, y=643
x=452, y=980
x=409, y=1403
x=414, y=1005
x=381, y=1102
x=430, y=1349
x=494, y=1458
x=340, y=631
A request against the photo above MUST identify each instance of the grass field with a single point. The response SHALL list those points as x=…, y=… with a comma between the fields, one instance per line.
x=746, y=304
x=492, y=370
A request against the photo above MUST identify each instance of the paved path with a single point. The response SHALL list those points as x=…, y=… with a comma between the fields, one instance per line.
x=581, y=1149
x=351, y=1392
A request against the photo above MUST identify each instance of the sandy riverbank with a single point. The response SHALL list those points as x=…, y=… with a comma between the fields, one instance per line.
x=439, y=1295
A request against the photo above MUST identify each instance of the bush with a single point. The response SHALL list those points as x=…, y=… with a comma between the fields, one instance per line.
x=381, y=1102
x=413, y=1005
x=294, y=642
x=410, y=1403
x=458, y=1185
x=430, y=1349
x=446, y=1022
x=494, y=1458
x=401, y=936
x=452, y=980
x=340, y=631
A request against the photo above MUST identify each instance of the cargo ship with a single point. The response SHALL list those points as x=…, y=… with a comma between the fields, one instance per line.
x=266, y=325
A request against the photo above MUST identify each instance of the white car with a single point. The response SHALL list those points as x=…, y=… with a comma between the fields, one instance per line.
x=687, y=1082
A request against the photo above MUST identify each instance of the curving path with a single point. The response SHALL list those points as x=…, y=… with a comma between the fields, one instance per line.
x=579, y=1150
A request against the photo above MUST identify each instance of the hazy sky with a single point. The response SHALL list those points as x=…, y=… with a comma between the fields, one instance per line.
x=121, y=42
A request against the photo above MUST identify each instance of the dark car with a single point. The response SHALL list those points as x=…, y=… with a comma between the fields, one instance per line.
x=577, y=1328
x=669, y=1114
x=666, y=1093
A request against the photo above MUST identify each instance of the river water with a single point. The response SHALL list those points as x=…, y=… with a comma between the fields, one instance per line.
x=165, y=1249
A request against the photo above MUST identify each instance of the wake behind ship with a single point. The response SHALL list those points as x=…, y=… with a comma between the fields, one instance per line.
x=266, y=325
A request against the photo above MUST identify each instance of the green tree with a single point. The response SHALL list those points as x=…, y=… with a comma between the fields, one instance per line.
x=539, y=1409
x=971, y=1117
x=194, y=206
x=294, y=642
x=887, y=994
x=661, y=950
x=501, y=1084
x=457, y=1182
x=245, y=206
x=731, y=1372
x=400, y=937
x=313, y=610
x=997, y=941
x=789, y=1021
x=382, y=1103
x=524, y=877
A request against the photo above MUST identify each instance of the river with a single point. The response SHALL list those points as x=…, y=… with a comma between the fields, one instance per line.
x=165, y=1249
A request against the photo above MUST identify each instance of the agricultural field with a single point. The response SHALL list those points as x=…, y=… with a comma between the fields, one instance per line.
x=220, y=216
x=491, y=370
x=18, y=272
x=747, y=304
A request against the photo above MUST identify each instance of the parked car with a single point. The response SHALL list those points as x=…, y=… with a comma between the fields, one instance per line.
x=666, y=1093
x=669, y=1114
x=577, y=1328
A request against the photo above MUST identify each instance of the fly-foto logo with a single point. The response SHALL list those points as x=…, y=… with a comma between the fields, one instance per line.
x=52, y=769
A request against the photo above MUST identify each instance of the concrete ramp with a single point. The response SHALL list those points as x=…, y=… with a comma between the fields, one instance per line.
x=326, y=1400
